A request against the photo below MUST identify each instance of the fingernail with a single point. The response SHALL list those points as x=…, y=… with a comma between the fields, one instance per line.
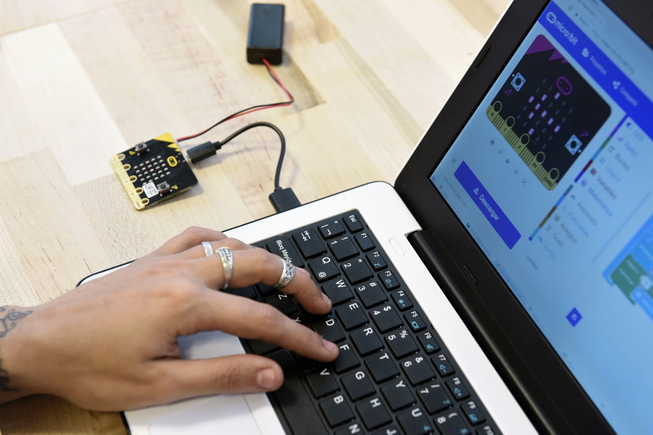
x=326, y=299
x=331, y=347
x=265, y=379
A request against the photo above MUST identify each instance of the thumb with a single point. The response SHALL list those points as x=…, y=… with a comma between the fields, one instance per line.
x=226, y=374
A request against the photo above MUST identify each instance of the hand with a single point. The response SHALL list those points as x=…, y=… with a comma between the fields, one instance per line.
x=111, y=344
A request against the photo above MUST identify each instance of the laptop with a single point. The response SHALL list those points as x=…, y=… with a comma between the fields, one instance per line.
x=506, y=278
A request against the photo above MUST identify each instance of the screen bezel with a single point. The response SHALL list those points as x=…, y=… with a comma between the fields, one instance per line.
x=541, y=381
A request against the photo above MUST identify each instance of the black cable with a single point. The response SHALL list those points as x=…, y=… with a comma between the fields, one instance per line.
x=207, y=149
x=282, y=152
x=281, y=199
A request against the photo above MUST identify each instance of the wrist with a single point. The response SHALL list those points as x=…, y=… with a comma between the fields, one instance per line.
x=14, y=376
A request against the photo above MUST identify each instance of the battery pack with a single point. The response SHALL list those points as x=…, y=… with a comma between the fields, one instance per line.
x=265, y=35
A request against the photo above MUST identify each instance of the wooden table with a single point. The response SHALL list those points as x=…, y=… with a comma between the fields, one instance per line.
x=81, y=80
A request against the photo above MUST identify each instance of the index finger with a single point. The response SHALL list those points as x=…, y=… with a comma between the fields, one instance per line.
x=258, y=321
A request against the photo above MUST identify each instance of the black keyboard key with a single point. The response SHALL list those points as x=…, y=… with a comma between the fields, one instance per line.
x=246, y=292
x=262, y=347
x=358, y=385
x=381, y=367
x=366, y=341
x=282, y=247
x=346, y=360
x=324, y=268
x=392, y=430
x=296, y=402
x=435, y=398
x=402, y=300
x=473, y=414
x=352, y=428
x=418, y=369
x=321, y=381
x=343, y=248
x=443, y=365
x=310, y=317
x=282, y=303
x=428, y=342
x=338, y=291
x=353, y=223
x=306, y=364
x=376, y=260
x=401, y=343
x=364, y=241
x=266, y=290
x=415, y=321
x=415, y=422
x=452, y=424
x=457, y=388
x=389, y=280
x=336, y=410
x=398, y=394
x=373, y=413
x=351, y=315
x=331, y=229
x=328, y=329
x=309, y=243
x=386, y=318
x=487, y=430
x=371, y=294
x=356, y=270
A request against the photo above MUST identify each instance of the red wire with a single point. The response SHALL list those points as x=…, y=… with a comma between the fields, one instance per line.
x=253, y=109
x=277, y=79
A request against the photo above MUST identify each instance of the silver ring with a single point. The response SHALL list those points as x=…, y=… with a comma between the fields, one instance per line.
x=227, y=264
x=208, y=248
x=286, y=276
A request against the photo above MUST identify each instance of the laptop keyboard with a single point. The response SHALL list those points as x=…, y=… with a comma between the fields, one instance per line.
x=393, y=374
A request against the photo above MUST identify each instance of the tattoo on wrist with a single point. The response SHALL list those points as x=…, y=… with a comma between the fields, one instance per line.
x=4, y=380
x=9, y=318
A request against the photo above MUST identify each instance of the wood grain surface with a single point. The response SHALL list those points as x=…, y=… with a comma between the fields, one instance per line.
x=81, y=80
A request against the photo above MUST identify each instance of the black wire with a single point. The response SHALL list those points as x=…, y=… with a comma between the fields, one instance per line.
x=282, y=152
x=277, y=81
x=282, y=103
x=231, y=116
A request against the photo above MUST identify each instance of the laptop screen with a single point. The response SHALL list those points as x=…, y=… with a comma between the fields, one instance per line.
x=553, y=178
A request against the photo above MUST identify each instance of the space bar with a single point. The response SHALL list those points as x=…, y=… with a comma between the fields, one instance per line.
x=294, y=400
